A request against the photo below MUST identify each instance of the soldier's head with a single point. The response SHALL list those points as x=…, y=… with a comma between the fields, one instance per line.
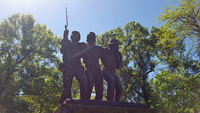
x=91, y=38
x=75, y=37
x=114, y=44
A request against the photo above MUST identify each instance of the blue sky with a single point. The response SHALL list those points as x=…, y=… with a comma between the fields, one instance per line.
x=86, y=15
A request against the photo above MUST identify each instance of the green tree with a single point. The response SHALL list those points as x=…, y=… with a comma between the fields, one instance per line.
x=139, y=55
x=183, y=18
x=180, y=23
x=29, y=78
x=138, y=49
x=176, y=84
x=176, y=92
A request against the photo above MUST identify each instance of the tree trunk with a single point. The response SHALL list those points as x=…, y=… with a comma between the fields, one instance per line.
x=145, y=93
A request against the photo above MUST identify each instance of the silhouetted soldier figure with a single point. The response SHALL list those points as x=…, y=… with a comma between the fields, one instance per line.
x=112, y=60
x=72, y=66
x=91, y=56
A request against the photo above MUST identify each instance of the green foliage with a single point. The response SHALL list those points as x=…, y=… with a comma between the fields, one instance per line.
x=138, y=49
x=29, y=81
x=176, y=92
x=104, y=38
x=140, y=60
x=182, y=19
x=177, y=83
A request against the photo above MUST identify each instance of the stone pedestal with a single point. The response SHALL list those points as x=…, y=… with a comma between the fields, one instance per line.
x=93, y=106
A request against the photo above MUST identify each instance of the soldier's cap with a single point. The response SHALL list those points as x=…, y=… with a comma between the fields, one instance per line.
x=91, y=35
x=114, y=41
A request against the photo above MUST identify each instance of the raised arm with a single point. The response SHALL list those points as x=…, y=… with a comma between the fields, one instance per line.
x=64, y=41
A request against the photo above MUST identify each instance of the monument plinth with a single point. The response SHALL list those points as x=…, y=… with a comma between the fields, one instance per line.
x=94, y=106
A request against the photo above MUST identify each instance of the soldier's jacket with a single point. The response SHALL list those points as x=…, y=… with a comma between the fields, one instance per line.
x=111, y=61
x=74, y=54
x=91, y=56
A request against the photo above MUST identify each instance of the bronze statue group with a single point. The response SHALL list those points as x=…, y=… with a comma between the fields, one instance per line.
x=92, y=74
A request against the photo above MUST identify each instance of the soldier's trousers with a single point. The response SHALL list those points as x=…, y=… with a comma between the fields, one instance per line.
x=67, y=84
x=95, y=78
x=113, y=84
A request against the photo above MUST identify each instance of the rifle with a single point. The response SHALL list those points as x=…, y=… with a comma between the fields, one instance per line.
x=66, y=18
x=66, y=48
x=65, y=67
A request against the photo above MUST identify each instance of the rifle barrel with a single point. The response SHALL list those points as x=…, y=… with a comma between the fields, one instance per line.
x=66, y=17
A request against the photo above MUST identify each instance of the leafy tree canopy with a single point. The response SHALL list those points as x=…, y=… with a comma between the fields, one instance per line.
x=29, y=80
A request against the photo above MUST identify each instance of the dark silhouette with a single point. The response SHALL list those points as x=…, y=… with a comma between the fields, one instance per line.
x=72, y=66
x=112, y=60
x=72, y=53
x=91, y=55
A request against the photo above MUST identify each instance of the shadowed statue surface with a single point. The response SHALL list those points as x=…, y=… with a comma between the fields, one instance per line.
x=112, y=60
x=91, y=55
x=72, y=66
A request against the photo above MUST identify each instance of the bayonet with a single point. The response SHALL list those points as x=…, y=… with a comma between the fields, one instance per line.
x=66, y=18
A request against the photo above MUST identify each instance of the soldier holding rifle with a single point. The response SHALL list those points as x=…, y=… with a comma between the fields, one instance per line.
x=72, y=66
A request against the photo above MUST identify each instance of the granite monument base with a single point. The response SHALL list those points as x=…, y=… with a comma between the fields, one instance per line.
x=94, y=106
